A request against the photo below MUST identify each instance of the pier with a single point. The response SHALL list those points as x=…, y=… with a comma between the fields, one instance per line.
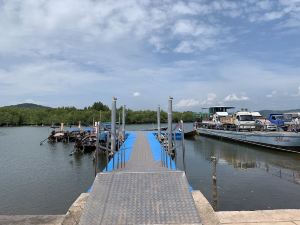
x=142, y=192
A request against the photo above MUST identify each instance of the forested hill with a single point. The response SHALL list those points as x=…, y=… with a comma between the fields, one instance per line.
x=31, y=114
x=28, y=106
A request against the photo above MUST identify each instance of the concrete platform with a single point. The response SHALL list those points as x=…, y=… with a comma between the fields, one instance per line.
x=31, y=219
x=262, y=217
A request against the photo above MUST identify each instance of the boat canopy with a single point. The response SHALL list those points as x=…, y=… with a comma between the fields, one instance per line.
x=214, y=109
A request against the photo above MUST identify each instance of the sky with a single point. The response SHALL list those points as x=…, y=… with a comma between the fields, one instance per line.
x=242, y=53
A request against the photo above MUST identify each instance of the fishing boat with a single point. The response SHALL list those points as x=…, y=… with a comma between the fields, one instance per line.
x=190, y=134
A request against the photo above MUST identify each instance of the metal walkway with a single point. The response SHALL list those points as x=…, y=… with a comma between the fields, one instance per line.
x=143, y=192
x=141, y=158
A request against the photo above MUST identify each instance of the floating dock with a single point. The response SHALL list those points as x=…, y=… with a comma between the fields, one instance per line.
x=142, y=192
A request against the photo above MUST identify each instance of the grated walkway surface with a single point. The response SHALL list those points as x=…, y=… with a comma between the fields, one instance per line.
x=141, y=158
x=142, y=193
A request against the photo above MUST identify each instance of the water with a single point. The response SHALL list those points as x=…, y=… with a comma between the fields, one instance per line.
x=248, y=178
x=44, y=179
x=39, y=179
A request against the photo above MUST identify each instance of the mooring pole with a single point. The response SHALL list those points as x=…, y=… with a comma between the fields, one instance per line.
x=214, y=183
x=97, y=147
x=106, y=150
x=183, y=144
x=170, y=132
x=123, y=122
x=113, y=127
x=158, y=123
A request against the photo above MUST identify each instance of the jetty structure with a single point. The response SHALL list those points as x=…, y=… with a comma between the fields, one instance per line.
x=141, y=185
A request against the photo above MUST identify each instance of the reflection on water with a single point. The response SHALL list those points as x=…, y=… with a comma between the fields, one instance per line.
x=240, y=177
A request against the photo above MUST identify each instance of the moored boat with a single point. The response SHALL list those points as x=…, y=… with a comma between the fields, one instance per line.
x=241, y=127
x=279, y=139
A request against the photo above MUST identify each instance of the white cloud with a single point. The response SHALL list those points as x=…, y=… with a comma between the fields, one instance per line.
x=234, y=97
x=64, y=48
x=187, y=103
x=136, y=94
x=42, y=78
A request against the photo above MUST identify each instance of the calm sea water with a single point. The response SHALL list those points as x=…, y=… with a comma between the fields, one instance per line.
x=45, y=179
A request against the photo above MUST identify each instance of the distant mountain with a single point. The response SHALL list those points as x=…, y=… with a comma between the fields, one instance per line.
x=266, y=113
x=28, y=106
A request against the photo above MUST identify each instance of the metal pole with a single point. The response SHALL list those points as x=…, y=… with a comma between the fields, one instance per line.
x=121, y=152
x=113, y=129
x=106, y=150
x=119, y=122
x=97, y=147
x=170, y=132
x=158, y=122
x=113, y=125
x=123, y=122
x=183, y=145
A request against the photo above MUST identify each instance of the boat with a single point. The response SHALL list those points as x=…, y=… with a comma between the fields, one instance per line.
x=276, y=139
x=190, y=134
x=243, y=131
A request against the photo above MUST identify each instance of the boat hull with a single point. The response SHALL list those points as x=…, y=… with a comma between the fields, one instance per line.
x=285, y=140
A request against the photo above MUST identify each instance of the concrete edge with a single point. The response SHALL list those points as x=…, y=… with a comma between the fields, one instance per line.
x=206, y=212
x=73, y=215
x=31, y=219
x=259, y=216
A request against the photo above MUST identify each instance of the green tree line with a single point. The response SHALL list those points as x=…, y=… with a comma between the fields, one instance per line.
x=22, y=116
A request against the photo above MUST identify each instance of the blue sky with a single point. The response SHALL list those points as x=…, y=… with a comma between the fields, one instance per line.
x=71, y=53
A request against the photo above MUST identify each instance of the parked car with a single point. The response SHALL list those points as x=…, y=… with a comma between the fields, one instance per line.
x=266, y=125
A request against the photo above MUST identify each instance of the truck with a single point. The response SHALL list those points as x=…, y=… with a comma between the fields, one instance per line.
x=239, y=121
x=278, y=120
